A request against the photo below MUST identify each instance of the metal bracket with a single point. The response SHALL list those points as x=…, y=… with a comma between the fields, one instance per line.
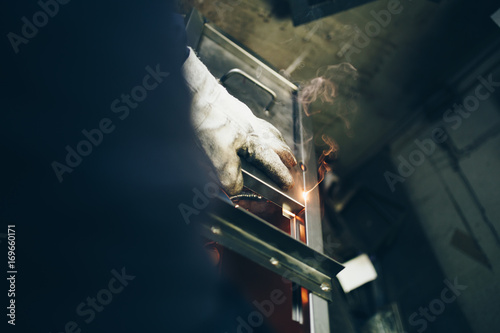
x=270, y=247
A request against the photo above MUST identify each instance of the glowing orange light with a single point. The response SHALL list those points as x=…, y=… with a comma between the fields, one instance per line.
x=323, y=166
x=304, y=293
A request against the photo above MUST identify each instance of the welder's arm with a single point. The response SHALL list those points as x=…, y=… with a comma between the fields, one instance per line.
x=226, y=128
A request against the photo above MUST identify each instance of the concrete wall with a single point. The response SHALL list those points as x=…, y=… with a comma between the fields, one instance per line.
x=454, y=191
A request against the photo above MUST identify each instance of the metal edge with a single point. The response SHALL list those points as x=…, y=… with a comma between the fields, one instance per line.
x=212, y=32
x=318, y=308
x=194, y=28
x=270, y=192
x=265, y=255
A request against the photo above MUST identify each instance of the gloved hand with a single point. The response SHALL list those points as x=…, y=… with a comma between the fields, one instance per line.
x=226, y=128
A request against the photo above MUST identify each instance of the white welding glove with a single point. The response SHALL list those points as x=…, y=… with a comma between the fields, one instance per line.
x=226, y=128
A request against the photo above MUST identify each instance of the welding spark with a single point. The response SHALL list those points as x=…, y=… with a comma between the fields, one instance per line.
x=324, y=167
x=333, y=84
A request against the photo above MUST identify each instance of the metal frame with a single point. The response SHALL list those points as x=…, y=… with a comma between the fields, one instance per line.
x=251, y=236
